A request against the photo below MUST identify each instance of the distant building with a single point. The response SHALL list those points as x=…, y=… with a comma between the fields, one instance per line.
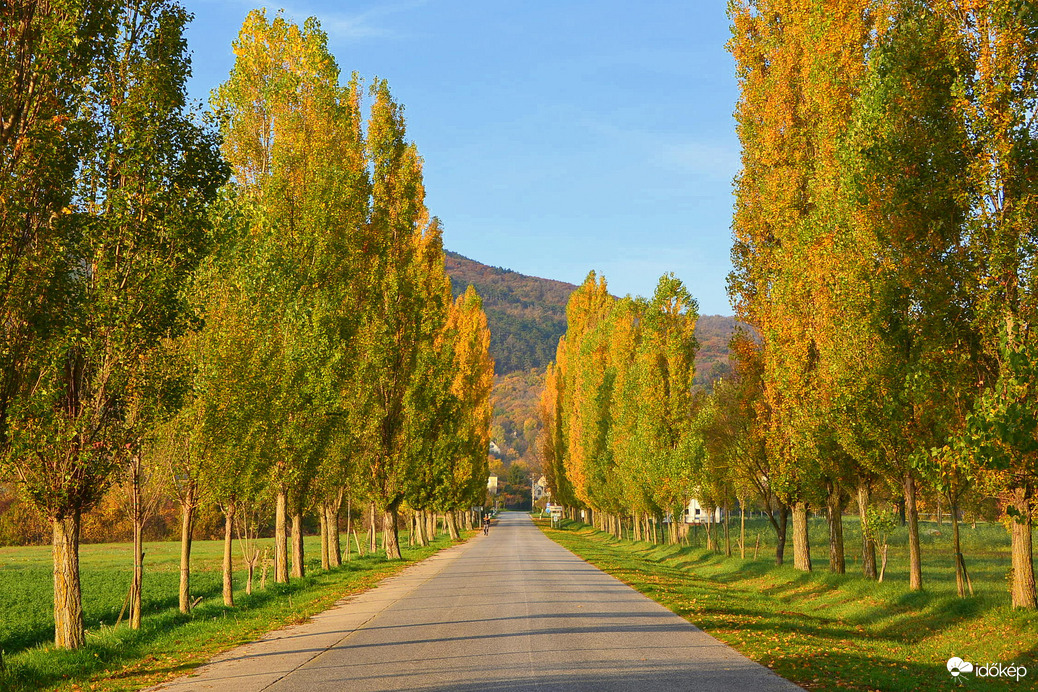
x=697, y=514
x=492, y=484
x=539, y=488
x=495, y=451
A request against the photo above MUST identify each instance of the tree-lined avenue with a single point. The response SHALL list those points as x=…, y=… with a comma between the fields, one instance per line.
x=510, y=611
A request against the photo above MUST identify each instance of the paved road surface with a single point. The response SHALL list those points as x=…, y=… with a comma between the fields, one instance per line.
x=509, y=611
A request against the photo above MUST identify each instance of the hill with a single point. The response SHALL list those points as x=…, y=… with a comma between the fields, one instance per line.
x=526, y=314
x=713, y=333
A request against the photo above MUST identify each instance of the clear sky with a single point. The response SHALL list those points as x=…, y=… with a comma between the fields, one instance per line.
x=559, y=136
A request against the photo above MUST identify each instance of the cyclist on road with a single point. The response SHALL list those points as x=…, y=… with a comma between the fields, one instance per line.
x=486, y=524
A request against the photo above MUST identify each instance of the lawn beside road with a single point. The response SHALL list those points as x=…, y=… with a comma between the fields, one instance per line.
x=168, y=643
x=828, y=631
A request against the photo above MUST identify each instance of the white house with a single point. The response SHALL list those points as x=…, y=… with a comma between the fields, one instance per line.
x=492, y=485
x=697, y=514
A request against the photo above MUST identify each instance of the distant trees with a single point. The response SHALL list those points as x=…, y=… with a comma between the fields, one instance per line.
x=617, y=407
x=262, y=323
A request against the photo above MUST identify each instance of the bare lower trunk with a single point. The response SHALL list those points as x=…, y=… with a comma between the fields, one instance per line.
x=430, y=526
x=297, y=545
x=727, y=533
x=834, y=507
x=335, y=545
x=742, y=529
x=868, y=539
x=325, y=560
x=915, y=561
x=138, y=569
x=452, y=527
x=372, y=546
x=250, y=566
x=137, y=522
x=419, y=529
x=281, y=537
x=1023, y=587
x=228, y=565
x=801, y=542
x=349, y=525
x=187, y=523
x=961, y=578
x=781, y=525
x=390, y=538
x=68, y=597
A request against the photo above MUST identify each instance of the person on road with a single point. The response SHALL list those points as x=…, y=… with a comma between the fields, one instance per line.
x=486, y=524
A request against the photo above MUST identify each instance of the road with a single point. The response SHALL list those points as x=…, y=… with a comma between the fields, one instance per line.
x=509, y=611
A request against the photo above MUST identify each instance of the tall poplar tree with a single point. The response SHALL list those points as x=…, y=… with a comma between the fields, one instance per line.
x=134, y=229
x=996, y=95
x=293, y=135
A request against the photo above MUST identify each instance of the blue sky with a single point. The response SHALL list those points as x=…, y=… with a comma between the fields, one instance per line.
x=558, y=136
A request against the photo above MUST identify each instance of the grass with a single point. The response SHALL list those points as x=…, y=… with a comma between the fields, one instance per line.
x=169, y=643
x=830, y=631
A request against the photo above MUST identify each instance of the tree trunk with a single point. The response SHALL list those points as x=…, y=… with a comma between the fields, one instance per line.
x=419, y=529
x=187, y=525
x=281, y=537
x=250, y=566
x=451, y=527
x=727, y=532
x=430, y=526
x=372, y=545
x=1023, y=588
x=801, y=542
x=349, y=525
x=137, y=521
x=835, y=505
x=228, y=565
x=915, y=561
x=68, y=596
x=138, y=567
x=297, y=544
x=781, y=526
x=868, y=540
x=742, y=528
x=326, y=562
x=390, y=538
x=332, y=519
x=960, y=566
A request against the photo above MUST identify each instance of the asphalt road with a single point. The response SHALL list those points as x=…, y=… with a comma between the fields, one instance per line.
x=509, y=611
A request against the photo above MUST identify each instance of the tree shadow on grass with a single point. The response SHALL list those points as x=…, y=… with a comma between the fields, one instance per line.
x=110, y=649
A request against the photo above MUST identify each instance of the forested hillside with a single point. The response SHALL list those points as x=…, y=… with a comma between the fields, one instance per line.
x=527, y=315
x=713, y=333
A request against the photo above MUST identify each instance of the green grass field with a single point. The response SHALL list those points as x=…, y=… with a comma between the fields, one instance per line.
x=169, y=643
x=828, y=631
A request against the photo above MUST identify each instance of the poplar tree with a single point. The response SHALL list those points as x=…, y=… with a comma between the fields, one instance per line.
x=996, y=96
x=405, y=250
x=134, y=229
x=293, y=135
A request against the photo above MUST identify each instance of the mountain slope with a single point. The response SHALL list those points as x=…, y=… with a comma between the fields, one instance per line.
x=526, y=314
